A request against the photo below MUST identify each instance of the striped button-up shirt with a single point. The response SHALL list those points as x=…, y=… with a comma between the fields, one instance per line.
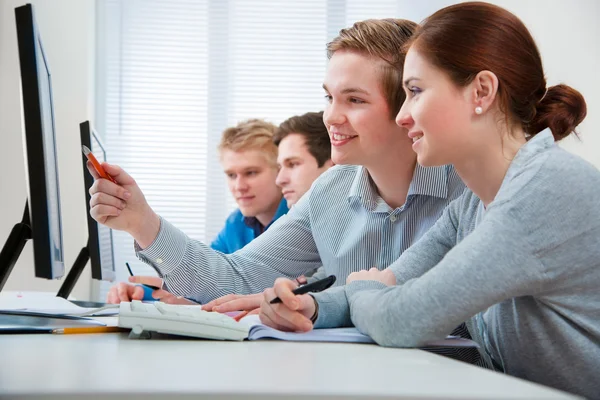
x=341, y=223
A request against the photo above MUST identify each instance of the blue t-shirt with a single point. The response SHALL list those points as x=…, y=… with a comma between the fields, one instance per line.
x=239, y=230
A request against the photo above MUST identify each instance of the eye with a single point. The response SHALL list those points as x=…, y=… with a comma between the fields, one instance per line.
x=294, y=164
x=355, y=100
x=230, y=176
x=414, y=91
x=251, y=173
x=328, y=98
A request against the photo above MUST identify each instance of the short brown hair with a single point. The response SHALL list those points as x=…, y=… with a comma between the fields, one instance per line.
x=467, y=38
x=384, y=39
x=316, y=137
x=252, y=134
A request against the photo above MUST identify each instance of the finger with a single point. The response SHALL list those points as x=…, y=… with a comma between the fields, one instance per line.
x=162, y=295
x=293, y=319
x=100, y=198
x=285, y=318
x=267, y=314
x=137, y=293
x=147, y=280
x=113, y=296
x=123, y=291
x=101, y=212
x=243, y=303
x=107, y=187
x=172, y=299
x=255, y=311
x=92, y=170
x=283, y=289
x=213, y=303
x=264, y=318
x=119, y=174
x=301, y=280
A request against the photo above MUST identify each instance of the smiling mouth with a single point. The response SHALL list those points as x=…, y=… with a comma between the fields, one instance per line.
x=416, y=138
x=339, y=137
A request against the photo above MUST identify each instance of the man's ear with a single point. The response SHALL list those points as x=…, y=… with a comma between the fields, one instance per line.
x=484, y=89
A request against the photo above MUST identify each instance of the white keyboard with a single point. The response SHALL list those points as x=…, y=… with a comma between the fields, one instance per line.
x=185, y=320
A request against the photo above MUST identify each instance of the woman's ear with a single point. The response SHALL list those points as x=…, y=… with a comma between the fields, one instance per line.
x=484, y=90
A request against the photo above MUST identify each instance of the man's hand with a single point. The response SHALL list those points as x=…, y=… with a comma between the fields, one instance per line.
x=234, y=302
x=386, y=276
x=128, y=292
x=293, y=313
x=122, y=206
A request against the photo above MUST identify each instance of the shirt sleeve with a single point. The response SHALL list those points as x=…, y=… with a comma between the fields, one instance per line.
x=191, y=268
x=490, y=265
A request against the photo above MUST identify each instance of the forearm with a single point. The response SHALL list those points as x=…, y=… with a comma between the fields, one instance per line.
x=461, y=285
x=192, y=269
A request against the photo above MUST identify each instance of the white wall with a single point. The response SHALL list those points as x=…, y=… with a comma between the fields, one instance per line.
x=568, y=36
x=67, y=29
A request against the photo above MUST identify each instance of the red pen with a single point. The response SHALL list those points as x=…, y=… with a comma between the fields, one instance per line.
x=97, y=166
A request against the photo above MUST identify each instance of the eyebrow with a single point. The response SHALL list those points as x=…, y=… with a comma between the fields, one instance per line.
x=288, y=159
x=349, y=90
x=412, y=78
x=245, y=169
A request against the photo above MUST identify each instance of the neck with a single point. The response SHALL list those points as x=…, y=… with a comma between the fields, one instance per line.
x=392, y=175
x=265, y=218
x=484, y=171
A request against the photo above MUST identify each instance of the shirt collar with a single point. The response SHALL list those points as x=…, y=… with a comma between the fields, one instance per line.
x=255, y=224
x=426, y=181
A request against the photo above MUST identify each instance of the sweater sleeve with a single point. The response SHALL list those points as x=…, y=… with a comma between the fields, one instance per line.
x=490, y=265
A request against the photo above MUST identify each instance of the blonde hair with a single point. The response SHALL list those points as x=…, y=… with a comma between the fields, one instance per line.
x=252, y=134
x=383, y=39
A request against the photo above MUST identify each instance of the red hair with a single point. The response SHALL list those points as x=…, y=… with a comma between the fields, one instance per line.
x=467, y=38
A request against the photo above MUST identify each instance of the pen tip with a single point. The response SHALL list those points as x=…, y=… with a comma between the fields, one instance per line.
x=86, y=151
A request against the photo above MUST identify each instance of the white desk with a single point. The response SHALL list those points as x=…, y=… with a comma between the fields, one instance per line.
x=111, y=366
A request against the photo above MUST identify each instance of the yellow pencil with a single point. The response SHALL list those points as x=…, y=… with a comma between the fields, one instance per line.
x=89, y=329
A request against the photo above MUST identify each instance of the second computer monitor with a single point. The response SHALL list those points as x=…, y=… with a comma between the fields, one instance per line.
x=100, y=244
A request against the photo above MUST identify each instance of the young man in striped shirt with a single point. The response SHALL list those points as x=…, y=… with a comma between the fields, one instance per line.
x=362, y=213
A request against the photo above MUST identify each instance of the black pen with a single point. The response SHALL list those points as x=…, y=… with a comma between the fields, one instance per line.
x=314, y=287
x=143, y=284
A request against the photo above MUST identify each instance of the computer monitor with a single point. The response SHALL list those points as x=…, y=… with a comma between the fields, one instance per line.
x=100, y=242
x=42, y=217
x=99, y=249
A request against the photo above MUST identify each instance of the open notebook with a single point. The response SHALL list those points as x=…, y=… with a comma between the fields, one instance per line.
x=348, y=335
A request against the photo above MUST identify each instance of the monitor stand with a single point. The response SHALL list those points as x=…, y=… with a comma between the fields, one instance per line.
x=74, y=273
x=14, y=245
x=72, y=278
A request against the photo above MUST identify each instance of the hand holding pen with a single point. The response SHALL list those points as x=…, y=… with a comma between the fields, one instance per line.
x=295, y=308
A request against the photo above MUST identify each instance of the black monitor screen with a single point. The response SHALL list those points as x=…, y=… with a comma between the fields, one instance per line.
x=40, y=144
x=100, y=243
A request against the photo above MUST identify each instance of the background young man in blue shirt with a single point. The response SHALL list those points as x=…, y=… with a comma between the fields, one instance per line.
x=249, y=159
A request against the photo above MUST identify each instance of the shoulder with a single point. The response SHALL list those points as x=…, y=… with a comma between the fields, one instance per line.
x=235, y=218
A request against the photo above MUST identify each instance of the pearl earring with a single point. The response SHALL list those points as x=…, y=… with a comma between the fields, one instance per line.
x=478, y=110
